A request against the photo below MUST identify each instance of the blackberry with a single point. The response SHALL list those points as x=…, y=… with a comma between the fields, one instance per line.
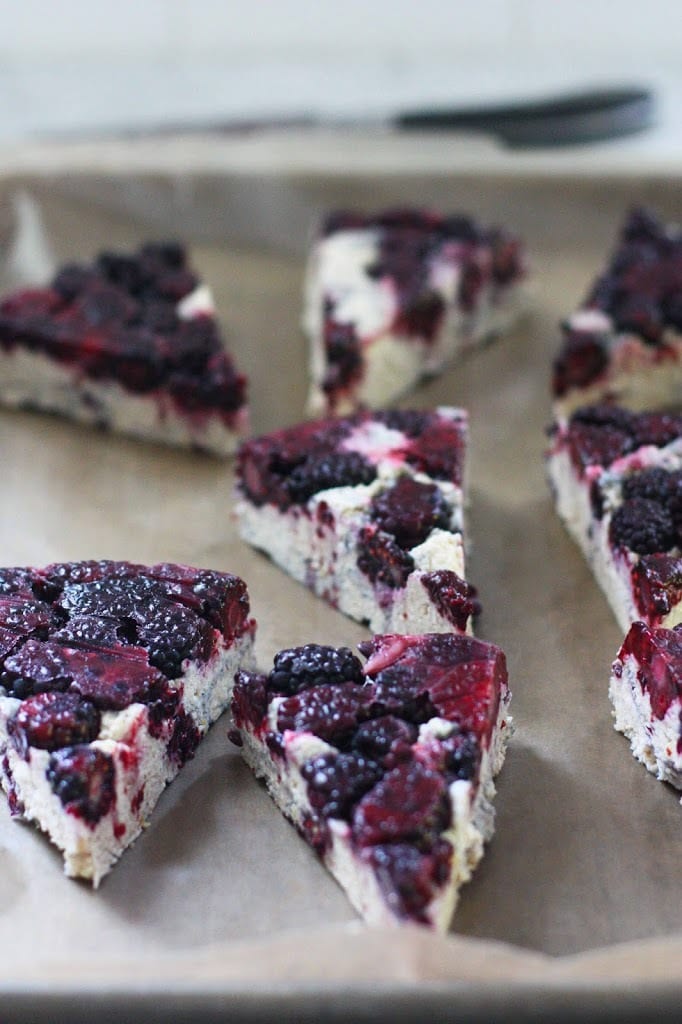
x=249, y=699
x=38, y=667
x=170, y=634
x=169, y=253
x=184, y=738
x=318, y=473
x=381, y=559
x=581, y=360
x=111, y=596
x=461, y=755
x=53, y=720
x=470, y=284
x=174, y=284
x=604, y=415
x=331, y=712
x=439, y=450
x=27, y=617
x=593, y=445
x=411, y=803
x=407, y=219
x=672, y=310
x=641, y=225
x=122, y=270
x=71, y=280
x=410, y=879
x=16, y=581
x=344, y=356
x=657, y=428
x=507, y=260
x=657, y=582
x=410, y=422
x=455, y=599
x=400, y=690
x=641, y=315
x=113, y=682
x=161, y=317
x=298, y=668
x=461, y=228
x=654, y=483
x=343, y=220
x=410, y=510
x=642, y=526
x=387, y=740
x=423, y=316
x=105, y=304
x=629, y=261
x=83, y=779
x=95, y=631
x=337, y=781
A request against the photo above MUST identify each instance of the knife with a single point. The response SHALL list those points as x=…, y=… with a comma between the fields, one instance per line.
x=591, y=115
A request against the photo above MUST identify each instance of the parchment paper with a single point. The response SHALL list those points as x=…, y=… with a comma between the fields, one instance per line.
x=220, y=897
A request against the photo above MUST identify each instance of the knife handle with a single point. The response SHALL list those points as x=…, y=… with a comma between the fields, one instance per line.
x=588, y=116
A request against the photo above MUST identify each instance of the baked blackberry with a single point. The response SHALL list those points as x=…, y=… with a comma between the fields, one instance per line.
x=642, y=526
x=337, y=781
x=298, y=668
x=338, y=469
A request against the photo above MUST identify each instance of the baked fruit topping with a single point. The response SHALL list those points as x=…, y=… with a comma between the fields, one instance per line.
x=130, y=342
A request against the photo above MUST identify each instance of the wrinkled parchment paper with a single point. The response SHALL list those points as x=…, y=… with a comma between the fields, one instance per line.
x=220, y=895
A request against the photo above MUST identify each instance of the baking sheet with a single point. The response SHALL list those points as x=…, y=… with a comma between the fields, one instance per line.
x=220, y=896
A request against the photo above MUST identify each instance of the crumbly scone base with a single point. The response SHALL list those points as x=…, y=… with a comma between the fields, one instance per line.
x=34, y=381
x=143, y=767
x=393, y=363
x=325, y=560
x=473, y=817
x=654, y=741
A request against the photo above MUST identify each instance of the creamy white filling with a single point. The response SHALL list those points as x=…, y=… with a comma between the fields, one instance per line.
x=654, y=741
x=142, y=766
x=472, y=816
x=322, y=554
x=197, y=303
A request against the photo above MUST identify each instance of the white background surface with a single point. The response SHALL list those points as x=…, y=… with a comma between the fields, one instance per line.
x=97, y=65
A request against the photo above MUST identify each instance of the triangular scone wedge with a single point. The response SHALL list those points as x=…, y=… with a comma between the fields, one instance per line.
x=368, y=512
x=129, y=342
x=386, y=770
x=111, y=673
x=391, y=297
